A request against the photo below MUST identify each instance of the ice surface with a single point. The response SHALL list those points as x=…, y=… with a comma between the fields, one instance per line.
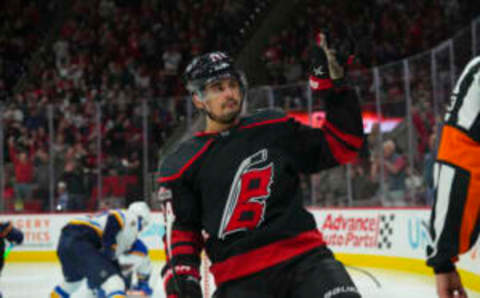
x=25, y=280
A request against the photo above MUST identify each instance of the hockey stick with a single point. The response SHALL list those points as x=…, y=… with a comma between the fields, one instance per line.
x=169, y=219
x=372, y=277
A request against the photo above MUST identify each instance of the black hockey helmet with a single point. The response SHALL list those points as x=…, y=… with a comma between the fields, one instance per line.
x=209, y=68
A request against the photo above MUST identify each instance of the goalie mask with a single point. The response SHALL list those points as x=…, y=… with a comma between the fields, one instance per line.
x=211, y=67
x=142, y=212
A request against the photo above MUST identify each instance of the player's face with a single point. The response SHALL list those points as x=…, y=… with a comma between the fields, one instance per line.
x=223, y=100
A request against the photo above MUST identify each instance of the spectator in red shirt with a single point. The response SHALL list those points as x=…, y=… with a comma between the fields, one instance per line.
x=24, y=174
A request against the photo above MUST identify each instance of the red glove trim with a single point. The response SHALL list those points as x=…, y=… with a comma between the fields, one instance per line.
x=320, y=84
x=180, y=270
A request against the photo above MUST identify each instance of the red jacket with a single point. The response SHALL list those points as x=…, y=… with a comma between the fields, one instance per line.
x=23, y=170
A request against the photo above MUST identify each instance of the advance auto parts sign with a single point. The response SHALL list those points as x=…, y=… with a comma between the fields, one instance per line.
x=355, y=229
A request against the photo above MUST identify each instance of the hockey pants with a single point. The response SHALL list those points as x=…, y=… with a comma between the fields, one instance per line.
x=308, y=276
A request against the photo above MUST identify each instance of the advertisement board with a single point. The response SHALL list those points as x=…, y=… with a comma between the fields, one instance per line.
x=379, y=237
x=42, y=231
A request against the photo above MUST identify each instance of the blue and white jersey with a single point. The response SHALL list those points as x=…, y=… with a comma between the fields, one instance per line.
x=118, y=229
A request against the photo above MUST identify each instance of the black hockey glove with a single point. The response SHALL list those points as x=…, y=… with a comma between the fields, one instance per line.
x=183, y=282
x=327, y=64
x=320, y=77
x=15, y=236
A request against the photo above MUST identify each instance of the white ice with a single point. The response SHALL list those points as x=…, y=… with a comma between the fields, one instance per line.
x=25, y=280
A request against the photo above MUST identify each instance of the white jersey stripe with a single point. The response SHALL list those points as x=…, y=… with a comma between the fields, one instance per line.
x=470, y=108
x=470, y=105
x=444, y=188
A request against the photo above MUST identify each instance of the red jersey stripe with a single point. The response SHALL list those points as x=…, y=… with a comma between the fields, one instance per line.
x=184, y=250
x=272, y=121
x=341, y=153
x=187, y=165
x=186, y=236
x=265, y=256
x=352, y=140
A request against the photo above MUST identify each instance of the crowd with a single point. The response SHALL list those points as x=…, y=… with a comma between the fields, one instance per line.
x=379, y=31
x=23, y=29
x=109, y=57
x=407, y=174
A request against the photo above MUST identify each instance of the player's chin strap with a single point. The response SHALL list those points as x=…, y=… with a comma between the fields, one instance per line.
x=169, y=219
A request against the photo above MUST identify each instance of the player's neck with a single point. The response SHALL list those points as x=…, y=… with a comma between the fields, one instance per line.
x=214, y=126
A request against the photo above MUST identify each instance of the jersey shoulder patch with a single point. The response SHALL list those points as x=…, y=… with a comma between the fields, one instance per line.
x=176, y=163
x=264, y=117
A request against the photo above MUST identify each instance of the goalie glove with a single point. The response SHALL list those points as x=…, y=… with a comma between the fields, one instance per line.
x=182, y=282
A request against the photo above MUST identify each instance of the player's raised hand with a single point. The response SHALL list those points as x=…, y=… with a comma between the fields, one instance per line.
x=327, y=65
x=335, y=70
x=449, y=285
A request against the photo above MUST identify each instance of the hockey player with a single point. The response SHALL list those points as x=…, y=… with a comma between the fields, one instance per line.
x=135, y=261
x=89, y=248
x=10, y=233
x=454, y=221
x=13, y=235
x=234, y=188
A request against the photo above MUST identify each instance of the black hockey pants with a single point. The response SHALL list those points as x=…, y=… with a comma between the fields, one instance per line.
x=310, y=275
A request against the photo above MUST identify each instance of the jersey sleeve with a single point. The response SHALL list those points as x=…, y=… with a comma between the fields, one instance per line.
x=115, y=222
x=186, y=241
x=455, y=220
x=5, y=228
x=9, y=232
x=338, y=141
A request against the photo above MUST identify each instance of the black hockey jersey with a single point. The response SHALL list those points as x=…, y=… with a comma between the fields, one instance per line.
x=236, y=193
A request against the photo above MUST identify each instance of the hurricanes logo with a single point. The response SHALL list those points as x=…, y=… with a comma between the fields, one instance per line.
x=245, y=208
